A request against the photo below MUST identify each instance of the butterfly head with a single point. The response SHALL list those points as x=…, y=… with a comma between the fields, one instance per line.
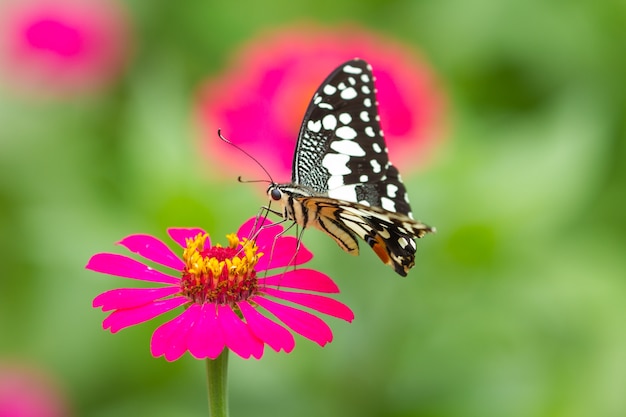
x=291, y=198
x=274, y=193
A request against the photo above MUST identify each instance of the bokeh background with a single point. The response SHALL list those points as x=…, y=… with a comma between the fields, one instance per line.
x=516, y=307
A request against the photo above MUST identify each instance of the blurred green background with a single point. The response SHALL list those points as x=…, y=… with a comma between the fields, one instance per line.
x=516, y=306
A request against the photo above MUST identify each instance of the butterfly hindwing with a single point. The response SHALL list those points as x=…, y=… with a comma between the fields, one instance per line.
x=390, y=235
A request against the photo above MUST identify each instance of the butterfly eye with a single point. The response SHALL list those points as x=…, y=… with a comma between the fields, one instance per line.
x=276, y=194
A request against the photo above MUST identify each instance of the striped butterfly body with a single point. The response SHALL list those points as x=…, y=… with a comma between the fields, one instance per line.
x=342, y=181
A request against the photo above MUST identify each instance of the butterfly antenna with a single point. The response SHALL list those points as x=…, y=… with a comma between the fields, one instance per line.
x=239, y=148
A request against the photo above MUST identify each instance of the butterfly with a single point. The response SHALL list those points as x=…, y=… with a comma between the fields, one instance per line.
x=342, y=181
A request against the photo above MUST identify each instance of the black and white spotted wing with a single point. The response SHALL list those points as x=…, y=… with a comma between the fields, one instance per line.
x=342, y=180
x=341, y=150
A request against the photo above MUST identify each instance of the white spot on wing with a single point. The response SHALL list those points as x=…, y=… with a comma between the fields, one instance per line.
x=335, y=181
x=375, y=166
x=345, y=118
x=365, y=78
x=364, y=115
x=345, y=132
x=329, y=89
x=314, y=126
x=346, y=192
x=336, y=164
x=348, y=94
x=392, y=190
x=367, y=102
x=352, y=70
x=376, y=148
x=329, y=122
x=347, y=147
x=325, y=106
x=388, y=204
x=363, y=178
x=365, y=89
x=369, y=131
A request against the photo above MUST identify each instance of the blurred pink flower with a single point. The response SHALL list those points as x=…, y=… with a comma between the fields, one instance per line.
x=222, y=289
x=260, y=99
x=61, y=47
x=27, y=392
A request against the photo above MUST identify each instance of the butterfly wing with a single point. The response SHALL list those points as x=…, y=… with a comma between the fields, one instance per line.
x=390, y=235
x=343, y=183
x=341, y=151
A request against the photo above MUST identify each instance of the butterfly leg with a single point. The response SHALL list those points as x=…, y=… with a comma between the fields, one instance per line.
x=298, y=235
x=260, y=226
x=261, y=216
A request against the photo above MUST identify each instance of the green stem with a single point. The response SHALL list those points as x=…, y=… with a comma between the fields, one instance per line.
x=217, y=378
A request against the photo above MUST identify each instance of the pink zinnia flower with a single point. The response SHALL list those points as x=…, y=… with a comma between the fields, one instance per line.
x=260, y=99
x=222, y=290
x=26, y=391
x=61, y=47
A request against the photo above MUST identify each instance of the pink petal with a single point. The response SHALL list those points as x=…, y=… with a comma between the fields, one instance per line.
x=276, y=336
x=283, y=253
x=255, y=224
x=123, y=298
x=237, y=335
x=180, y=234
x=170, y=339
x=205, y=338
x=319, y=303
x=120, y=319
x=266, y=235
x=301, y=322
x=153, y=249
x=123, y=266
x=302, y=279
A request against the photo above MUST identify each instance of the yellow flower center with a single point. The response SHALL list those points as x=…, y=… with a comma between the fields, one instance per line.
x=220, y=275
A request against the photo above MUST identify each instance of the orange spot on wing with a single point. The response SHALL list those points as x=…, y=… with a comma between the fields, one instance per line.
x=380, y=249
